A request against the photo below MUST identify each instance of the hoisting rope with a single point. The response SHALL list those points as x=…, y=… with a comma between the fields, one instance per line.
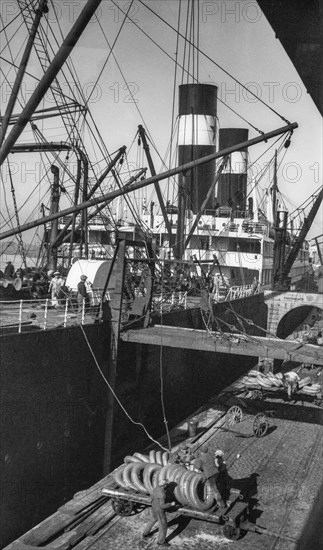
x=162, y=385
x=116, y=397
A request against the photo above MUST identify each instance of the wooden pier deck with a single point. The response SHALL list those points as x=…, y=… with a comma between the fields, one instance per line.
x=283, y=472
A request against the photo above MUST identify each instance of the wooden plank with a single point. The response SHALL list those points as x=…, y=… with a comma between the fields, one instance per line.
x=236, y=344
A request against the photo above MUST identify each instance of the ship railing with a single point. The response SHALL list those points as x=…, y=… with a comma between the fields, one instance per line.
x=236, y=292
x=44, y=314
x=255, y=227
x=166, y=301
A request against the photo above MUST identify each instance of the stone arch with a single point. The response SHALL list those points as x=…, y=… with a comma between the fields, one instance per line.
x=300, y=314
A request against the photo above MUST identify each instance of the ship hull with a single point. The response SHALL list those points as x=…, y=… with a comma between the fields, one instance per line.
x=52, y=421
x=54, y=402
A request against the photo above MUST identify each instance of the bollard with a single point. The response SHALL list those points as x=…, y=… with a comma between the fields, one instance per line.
x=192, y=426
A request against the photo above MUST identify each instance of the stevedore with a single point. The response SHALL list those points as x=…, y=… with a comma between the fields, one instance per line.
x=206, y=463
x=9, y=271
x=222, y=479
x=54, y=288
x=158, y=514
x=291, y=381
x=82, y=294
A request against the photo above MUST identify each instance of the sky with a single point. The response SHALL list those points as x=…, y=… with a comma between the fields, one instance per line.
x=235, y=34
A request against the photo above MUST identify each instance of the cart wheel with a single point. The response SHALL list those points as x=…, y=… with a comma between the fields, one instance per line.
x=234, y=415
x=257, y=394
x=122, y=507
x=260, y=425
x=231, y=532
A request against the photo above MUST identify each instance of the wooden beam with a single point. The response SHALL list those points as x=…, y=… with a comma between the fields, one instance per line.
x=236, y=344
x=118, y=264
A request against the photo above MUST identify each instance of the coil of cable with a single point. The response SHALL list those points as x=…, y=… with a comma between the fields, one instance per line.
x=190, y=489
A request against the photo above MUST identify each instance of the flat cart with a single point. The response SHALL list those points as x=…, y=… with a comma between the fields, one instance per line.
x=234, y=519
x=259, y=423
x=258, y=392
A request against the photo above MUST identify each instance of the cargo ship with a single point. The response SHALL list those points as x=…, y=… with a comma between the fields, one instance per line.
x=60, y=427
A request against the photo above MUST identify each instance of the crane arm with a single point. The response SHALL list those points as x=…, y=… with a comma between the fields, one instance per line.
x=301, y=237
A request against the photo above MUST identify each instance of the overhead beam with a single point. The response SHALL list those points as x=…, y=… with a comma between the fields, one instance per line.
x=236, y=344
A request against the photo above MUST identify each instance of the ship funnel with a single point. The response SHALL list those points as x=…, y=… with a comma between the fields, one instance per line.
x=196, y=138
x=232, y=186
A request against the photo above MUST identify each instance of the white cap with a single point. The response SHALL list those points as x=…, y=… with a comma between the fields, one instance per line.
x=219, y=453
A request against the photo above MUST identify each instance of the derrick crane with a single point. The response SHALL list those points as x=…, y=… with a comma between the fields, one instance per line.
x=281, y=280
x=319, y=253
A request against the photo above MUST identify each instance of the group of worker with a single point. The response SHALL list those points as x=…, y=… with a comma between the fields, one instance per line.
x=212, y=465
x=58, y=290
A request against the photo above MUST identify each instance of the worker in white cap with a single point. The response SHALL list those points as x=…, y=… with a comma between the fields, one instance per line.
x=54, y=288
x=206, y=463
x=291, y=381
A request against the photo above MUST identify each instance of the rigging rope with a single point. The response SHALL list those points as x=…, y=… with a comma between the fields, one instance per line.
x=185, y=70
x=111, y=49
x=174, y=86
x=136, y=423
x=215, y=63
x=252, y=323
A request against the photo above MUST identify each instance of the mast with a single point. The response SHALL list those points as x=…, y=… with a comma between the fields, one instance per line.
x=279, y=248
x=143, y=138
x=206, y=200
x=84, y=229
x=54, y=203
x=47, y=79
x=42, y=8
x=275, y=188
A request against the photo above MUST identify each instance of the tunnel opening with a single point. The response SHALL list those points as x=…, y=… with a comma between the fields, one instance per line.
x=297, y=319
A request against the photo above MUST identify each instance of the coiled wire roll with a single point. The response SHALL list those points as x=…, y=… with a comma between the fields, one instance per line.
x=142, y=476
